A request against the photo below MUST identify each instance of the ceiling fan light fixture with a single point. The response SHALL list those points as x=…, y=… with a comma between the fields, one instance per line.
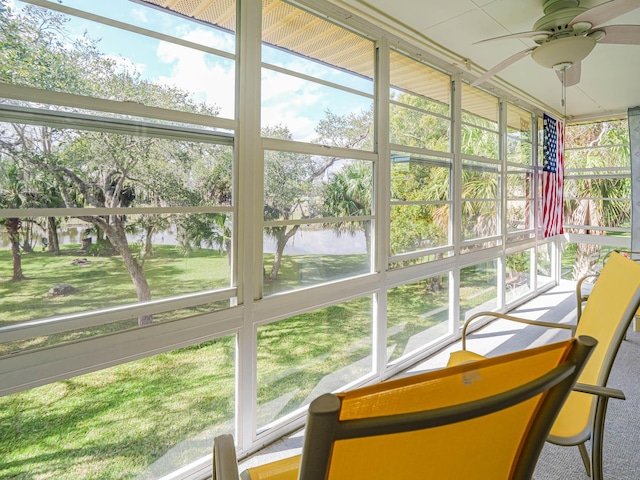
x=563, y=50
x=562, y=66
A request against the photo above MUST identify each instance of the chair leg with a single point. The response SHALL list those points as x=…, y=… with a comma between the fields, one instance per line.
x=585, y=458
x=597, y=438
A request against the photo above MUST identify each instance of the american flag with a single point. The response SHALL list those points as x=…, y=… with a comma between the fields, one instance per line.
x=553, y=176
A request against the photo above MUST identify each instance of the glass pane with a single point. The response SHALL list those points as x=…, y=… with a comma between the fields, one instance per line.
x=597, y=134
x=519, y=215
x=580, y=259
x=424, y=257
x=480, y=180
x=298, y=186
x=543, y=261
x=480, y=186
x=73, y=266
x=111, y=324
x=418, y=227
x=412, y=128
x=478, y=289
x=143, y=419
x=519, y=200
x=296, y=108
x=479, y=219
x=297, y=256
x=518, y=122
x=417, y=315
x=479, y=142
x=479, y=108
x=418, y=85
x=299, y=109
x=116, y=64
x=603, y=202
x=419, y=178
x=302, y=357
x=519, y=151
x=518, y=275
x=66, y=167
x=520, y=184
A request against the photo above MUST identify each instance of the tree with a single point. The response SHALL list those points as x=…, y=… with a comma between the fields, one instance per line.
x=348, y=193
x=14, y=195
x=288, y=184
x=602, y=146
x=293, y=181
x=98, y=169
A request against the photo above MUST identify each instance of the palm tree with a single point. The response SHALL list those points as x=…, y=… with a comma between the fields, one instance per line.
x=584, y=204
x=13, y=194
x=349, y=194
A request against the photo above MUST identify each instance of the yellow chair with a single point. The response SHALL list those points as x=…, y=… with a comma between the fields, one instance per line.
x=488, y=419
x=611, y=307
x=582, y=295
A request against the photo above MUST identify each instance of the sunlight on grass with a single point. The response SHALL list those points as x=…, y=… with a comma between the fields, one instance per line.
x=116, y=422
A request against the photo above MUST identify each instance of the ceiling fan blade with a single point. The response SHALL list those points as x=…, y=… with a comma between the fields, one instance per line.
x=502, y=65
x=620, y=34
x=571, y=75
x=531, y=34
x=606, y=11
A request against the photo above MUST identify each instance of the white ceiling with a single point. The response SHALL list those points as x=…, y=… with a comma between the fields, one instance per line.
x=610, y=81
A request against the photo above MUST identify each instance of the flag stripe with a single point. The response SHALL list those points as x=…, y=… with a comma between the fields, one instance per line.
x=552, y=176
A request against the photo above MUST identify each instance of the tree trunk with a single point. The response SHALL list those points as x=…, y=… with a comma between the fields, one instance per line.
x=118, y=239
x=27, y=231
x=148, y=244
x=587, y=255
x=13, y=230
x=281, y=239
x=367, y=236
x=52, y=235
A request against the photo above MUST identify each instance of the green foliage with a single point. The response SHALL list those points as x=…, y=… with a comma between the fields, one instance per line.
x=75, y=168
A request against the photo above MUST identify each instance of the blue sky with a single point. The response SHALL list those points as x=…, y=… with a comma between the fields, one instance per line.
x=286, y=100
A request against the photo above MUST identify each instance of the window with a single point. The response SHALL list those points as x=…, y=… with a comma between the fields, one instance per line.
x=304, y=356
x=481, y=170
x=421, y=162
x=317, y=88
x=417, y=316
x=145, y=418
x=478, y=289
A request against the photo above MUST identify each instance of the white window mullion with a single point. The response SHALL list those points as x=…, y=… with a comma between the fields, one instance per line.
x=249, y=207
x=381, y=208
x=455, y=187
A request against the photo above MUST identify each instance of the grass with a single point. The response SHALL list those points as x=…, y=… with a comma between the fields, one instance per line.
x=114, y=423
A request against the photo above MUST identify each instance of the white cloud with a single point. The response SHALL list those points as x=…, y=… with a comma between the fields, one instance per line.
x=126, y=65
x=286, y=100
x=291, y=102
x=140, y=14
x=196, y=72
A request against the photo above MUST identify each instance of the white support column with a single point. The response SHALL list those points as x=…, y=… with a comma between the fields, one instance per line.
x=248, y=198
x=455, y=215
x=381, y=208
x=634, y=144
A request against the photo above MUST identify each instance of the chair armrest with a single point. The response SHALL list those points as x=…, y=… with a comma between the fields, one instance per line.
x=600, y=391
x=225, y=463
x=504, y=316
x=579, y=295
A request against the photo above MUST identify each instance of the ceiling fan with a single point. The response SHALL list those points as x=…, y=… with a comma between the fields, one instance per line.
x=567, y=33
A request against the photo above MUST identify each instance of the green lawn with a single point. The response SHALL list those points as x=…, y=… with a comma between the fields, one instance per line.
x=114, y=423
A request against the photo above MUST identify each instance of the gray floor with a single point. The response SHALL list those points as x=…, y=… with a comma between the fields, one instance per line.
x=622, y=435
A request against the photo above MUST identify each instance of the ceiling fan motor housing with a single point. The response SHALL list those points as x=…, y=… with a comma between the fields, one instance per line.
x=558, y=15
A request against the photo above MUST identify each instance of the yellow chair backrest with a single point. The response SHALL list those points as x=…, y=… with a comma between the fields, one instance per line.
x=611, y=306
x=467, y=421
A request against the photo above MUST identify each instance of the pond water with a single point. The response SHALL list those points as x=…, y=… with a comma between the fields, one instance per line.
x=305, y=242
